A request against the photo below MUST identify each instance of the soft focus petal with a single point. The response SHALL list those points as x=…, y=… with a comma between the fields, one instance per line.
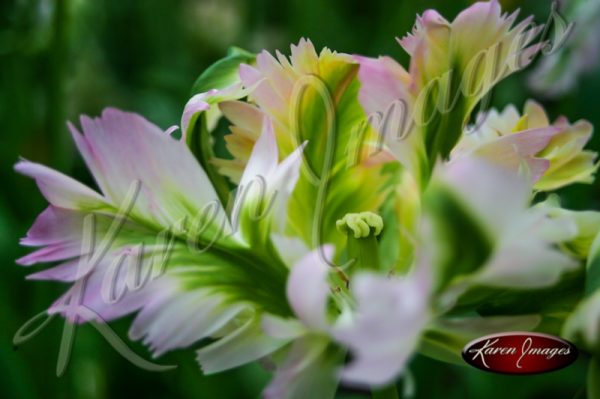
x=494, y=194
x=308, y=289
x=553, y=152
x=245, y=344
x=181, y=320
x=391, y=313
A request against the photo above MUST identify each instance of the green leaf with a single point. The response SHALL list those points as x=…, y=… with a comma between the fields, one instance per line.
x=222, y=75
x=200, y=143
x=224, y=72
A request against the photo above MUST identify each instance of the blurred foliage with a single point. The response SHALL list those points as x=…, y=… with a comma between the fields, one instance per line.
x=62, y=58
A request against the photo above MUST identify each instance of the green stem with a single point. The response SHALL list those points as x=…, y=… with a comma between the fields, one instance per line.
x=364, y=251
x=389, y=392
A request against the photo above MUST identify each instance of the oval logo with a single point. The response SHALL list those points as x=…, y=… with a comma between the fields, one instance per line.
x=519, y=353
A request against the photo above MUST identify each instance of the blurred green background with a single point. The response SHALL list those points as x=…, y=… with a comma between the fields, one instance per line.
x=62, y=58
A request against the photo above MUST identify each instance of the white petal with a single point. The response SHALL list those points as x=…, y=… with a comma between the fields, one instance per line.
x=246, y=344
x=308, y=289
x=264, y=157
x=496, y=195
x=181, y=320
x=278, y=327
x=386, y=328
x=195, y=105
x=291, y=249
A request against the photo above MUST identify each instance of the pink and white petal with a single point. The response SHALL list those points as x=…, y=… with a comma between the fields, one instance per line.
x=66, y=272
x=430, y=19
x=282, y=81
x=128, y=150
x=110, y=292
x=182, y=319
x=308, y=289
x=375, y=371
x=261, y=91
x=62, y=231
x=512, y=150
x=244, y=345
x=536, y=115
x=519, y=265
x=61, y=190
x=146, y=316
x=430, y=56
x=391, y=314
x=479, y=26
x=243, y=114
x=207, y=103
x=382, y=81
x=86, y=294
x=249, y=75
x=304, y=57
x=282, y=183
x=264, y=157
x=54, y=226
x=194, y=106
x=496, y=195
x=526, y=256
x=51, y=253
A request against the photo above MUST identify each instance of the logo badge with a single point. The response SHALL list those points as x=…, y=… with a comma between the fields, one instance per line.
x=519, y=353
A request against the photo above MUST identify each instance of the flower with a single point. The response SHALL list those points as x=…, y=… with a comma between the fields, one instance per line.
x=160, y=243
x=309, y=97
x=503, y=242
x=383, y=319
x=380, y=321
x=453, y=66
x=320, y=253
x=553, y=153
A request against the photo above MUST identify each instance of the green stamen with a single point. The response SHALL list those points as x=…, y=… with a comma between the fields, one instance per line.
x=362, y=230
